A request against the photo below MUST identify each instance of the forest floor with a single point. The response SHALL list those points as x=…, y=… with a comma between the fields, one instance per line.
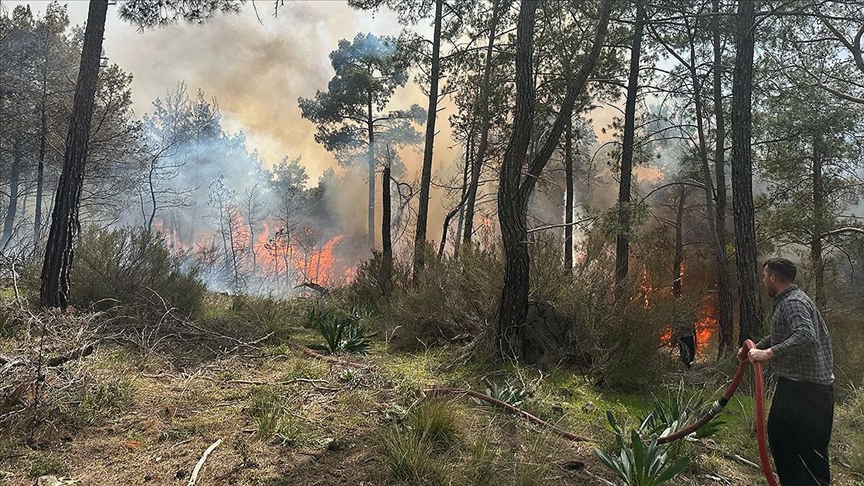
x=132, y=414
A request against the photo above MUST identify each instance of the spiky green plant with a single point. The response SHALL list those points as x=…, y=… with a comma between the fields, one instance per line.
x=642, y=463
x=341, y=333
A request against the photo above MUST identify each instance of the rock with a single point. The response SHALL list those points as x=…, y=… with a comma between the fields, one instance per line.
x=557, y=409
x=54, y=481
x=304, y=459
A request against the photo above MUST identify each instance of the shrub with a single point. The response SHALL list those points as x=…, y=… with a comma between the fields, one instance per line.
x=455, y=298
x=135, y=269
x=342, y=332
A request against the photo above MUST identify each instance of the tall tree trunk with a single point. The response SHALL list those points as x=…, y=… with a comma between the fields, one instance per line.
x=750, y=322
x=678, y=260
x=370, y=127
x=477, y=166
x=64, y=217
x=568, y=196
x=426, y=175
x=386, y=242
x=14, y=184
x=622, y=241
x=514, y=193
x=466, y=174
x=724, y=288
x=512, y=209
x=458, y=209
x=43, y=138
x=818, y=227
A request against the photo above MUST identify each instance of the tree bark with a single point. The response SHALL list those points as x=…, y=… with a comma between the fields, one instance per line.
x=64, y=218
x=43, y=138
x=466, y=174
x=426, y=175
x=678, y=259
x=14, y=185
x=622, y=241
x=750, y=322
x=371, y=166
x=511, y=208
x=724, y=288
x=477, y=165
x=386, y=242
x=568, y=196
x=818, y=227
x=514, y=193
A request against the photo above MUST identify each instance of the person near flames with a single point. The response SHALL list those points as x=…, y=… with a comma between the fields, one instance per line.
x=799, y=351
x=684, y=331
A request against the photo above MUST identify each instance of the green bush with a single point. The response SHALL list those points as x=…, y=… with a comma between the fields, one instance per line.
x=454, y=299
x=134, y=269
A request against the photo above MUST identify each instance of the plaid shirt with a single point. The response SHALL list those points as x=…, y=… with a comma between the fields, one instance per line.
x=799, y=339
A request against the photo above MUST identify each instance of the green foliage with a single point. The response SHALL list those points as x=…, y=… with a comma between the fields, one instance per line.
x=267, y=313
x=455, y=299
x=480, y=470
x=419, y=450
x=342, y=332
x=135, y=269
x=642, y=463
x=849, y=432
x=94, y=400
x=678, y=411
x=436, y=422
x=268, y=409
x=507, y=393
x=44, y=463
x=412, y=459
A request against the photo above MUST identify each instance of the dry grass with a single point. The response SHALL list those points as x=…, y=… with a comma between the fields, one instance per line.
x=131, y=415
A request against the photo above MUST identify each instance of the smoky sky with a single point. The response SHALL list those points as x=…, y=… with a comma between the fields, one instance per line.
x=256, y=71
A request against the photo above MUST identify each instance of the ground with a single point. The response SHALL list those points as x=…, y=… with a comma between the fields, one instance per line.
x=131, y=415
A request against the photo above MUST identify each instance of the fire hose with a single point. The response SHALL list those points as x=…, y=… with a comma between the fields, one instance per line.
x=721, y=403
x=713, y=412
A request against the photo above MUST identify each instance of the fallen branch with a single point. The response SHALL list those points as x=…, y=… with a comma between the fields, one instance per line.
x=741, y=460
x=81, y=352
x=598, y=478
x=505, y=406
x=197, y=469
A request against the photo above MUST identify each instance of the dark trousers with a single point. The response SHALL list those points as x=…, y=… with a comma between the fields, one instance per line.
x=687, y=349
x=799, y=430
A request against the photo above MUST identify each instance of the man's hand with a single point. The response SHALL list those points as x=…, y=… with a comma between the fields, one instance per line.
x=742, y=354
x=760, y=355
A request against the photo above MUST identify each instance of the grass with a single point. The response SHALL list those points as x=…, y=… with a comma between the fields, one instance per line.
x=437, y=422
x=44, y=464
x=270, y=404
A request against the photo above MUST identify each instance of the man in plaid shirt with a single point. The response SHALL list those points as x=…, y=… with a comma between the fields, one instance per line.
x=799, y=349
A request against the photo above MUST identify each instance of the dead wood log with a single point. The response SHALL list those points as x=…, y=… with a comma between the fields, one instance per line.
x=81, y=352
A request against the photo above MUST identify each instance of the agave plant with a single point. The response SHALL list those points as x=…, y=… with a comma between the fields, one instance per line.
x=642, y=463
x=341, y=333
x=507, y=393
x=676, y=412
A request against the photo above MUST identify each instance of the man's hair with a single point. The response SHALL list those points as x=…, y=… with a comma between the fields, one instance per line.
x=783, y=268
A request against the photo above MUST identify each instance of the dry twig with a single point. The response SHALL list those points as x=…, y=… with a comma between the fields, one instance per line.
x=194, y=477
